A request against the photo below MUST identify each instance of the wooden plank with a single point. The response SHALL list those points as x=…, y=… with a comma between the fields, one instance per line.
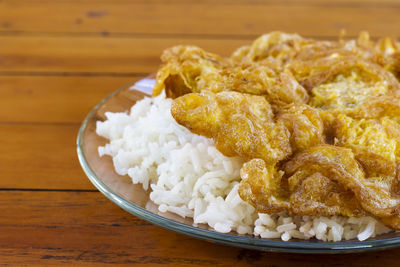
x=48, y=228
x=311, y=18
x=40, y=156
x=59, y=99
x=94, y=54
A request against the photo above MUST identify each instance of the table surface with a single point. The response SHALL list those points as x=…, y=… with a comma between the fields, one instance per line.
x=59, y=58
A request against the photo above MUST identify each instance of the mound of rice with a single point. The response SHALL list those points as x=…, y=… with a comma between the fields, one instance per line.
x=190, y=177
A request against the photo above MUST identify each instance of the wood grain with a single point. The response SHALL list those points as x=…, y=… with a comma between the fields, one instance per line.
x=54, y=99
x=98, y=55
x=86, y=228
x=216, y=18
x=40, y=156
x=59, y=58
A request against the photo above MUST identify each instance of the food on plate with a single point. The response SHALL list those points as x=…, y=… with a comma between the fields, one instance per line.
x=190, y=69
x=240, y=124
x=289, y=137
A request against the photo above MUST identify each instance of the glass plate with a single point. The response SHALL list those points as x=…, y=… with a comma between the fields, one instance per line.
x=134, y=199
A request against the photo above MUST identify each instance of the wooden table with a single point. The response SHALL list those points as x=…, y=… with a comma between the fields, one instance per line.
x=59, y=58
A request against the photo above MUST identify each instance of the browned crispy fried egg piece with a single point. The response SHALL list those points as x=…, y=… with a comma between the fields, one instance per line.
x=264, y=187
x=261, y=186
x=274, y=49
x=375, y=142
x=372, y=131
x=339, y=164
x=343, y=83
x=317, y=194
x=240, y=124
x=190, y=69
x=362, y=48
x=378, y=107
x=304, y=124
x=385, y=52
x=183, y=65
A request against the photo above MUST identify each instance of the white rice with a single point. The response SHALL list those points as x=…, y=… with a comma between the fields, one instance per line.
x=190, y=177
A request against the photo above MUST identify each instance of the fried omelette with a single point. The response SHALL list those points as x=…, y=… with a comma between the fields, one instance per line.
x=318, y=122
